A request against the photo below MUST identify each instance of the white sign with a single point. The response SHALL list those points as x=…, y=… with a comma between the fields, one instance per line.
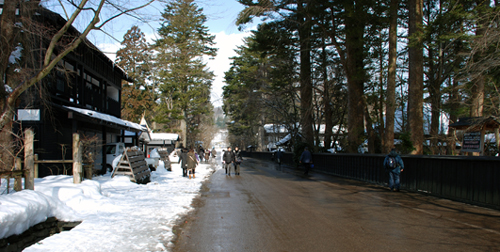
x=28, y=114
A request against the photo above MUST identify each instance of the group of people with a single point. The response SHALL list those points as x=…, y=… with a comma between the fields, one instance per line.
x=232, y=158
x=205, y=154
x=188, y=160
x=393, y=163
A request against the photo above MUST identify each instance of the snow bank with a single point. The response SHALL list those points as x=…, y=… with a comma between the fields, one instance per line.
x=117, y=215
x=21, y=210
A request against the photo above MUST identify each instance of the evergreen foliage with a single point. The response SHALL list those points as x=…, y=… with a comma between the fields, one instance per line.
x=358, y=56
x=135, y=58
x=184, y=80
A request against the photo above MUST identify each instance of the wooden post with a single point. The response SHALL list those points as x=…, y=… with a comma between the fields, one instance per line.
x=36, y=166
x=89, y=168
x=483, y=135
x=77, y=159
x=18, y=181
x=29, y=160
x=8, y=184
x=497, y=139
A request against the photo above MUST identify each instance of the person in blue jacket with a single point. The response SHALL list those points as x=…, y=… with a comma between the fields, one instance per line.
x=306, y=160
x=393, y=163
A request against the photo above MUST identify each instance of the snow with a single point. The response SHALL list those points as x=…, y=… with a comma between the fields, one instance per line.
x=8, y=89
x=164, y=136
x=106, y=117
x=16, y=54
x=116, y=214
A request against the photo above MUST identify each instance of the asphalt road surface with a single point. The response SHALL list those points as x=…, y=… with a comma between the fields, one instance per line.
x=267, y=209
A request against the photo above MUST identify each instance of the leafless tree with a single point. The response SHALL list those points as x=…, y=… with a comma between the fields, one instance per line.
x=16, y=24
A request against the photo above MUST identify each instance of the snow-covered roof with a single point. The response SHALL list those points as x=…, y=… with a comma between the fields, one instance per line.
x=335, y=128
x=274, y=128
x=164, y=136
x=155, y=137
x=107, y=118
x=284, y=140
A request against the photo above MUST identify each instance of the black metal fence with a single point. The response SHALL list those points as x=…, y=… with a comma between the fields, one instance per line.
x=474, y=180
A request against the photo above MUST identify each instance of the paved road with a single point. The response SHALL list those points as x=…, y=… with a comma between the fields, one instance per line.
x=265, y=209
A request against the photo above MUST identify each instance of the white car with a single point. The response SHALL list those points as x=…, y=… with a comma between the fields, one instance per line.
x=174, y=156
x=113, y=150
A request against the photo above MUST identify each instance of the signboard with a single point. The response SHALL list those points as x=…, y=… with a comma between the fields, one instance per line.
x=473, y=142
x=28, y=114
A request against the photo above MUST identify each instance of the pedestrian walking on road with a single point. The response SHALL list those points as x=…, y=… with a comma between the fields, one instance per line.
x=201, y=154
x=228, y=160
x=237, y=160
x=306, y=160
x=393, y=163
x=213, y=153
x=279, y=156
x=191, y=163
x=183, y=161
x=207, y=155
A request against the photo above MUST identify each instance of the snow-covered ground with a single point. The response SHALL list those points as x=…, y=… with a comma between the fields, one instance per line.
x=116, y=214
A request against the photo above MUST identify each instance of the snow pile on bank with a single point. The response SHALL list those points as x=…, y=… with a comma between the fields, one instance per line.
x=117, y=215
x=24, y=209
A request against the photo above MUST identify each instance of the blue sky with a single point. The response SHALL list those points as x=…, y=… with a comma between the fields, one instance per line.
x=221, y=16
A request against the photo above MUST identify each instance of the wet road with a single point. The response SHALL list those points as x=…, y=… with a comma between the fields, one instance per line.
x=265, y=209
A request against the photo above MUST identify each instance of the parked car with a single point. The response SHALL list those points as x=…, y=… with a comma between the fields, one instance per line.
x=113, y=150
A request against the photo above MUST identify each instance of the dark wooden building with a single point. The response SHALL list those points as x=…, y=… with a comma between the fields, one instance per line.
x=82, y=95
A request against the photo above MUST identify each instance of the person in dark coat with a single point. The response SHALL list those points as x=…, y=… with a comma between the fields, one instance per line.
x=201, y=153
x=306, y=160
x=393, y=163
x=237, y=160
x=228, y=160
x=213, y=152
x=183, y=161
x=279, y=156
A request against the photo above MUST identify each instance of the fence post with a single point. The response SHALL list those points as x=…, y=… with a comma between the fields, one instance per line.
x=77, y=159
x=18, y=181
x=36, y=166
x=88, y=168
x=29, y=160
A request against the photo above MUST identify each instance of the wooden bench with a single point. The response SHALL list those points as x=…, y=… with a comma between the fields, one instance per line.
x=164, y=157
x=133, y=165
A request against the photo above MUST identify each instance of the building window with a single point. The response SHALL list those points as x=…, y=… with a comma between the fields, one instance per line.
x=113, y=93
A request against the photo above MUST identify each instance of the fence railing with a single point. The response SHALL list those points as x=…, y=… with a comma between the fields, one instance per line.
x=29, y=167
x=474, y=180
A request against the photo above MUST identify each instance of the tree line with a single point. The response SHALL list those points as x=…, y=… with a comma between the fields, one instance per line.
x=24, y=66
x=171, y=80
x=370, y=71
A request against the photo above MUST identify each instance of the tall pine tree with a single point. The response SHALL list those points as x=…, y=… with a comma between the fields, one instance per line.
x=136, y=59
x=185, y=80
